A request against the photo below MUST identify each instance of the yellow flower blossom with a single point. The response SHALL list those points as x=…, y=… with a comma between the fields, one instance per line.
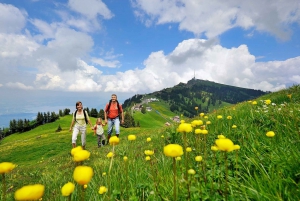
x=225, y=144
x=270, y=134
x=214, y=148
x=6, y=167
x=182, y=121
x=198, y=158
x=81, y=155
x=254, y=102
x=205, y=117
x=148, y=139
x=178, y=158
x=219, y=117
x=114, y=140
x=204, y=132
x=198, y=131
x=83, y=174
x=191, y=171
x=188, y=149
x=234, y=126
x=268, y=102
x=125, y=158
x=221, y=136
x=196, y=108
x=30, y=192
x=196, y=123
x=147, y=158
x=110, y=154
x=102, y=190
x=85, y=186
x=201, y=114
x=67, y=189
x=229, y=117
x=74, y=150
x=104, y=174
x=149, y=152
x=289, y=96
x=185, y=127
x=236, y=147
x=173, y=150
x=162, y=136
x=208, y=122
x=131, y=137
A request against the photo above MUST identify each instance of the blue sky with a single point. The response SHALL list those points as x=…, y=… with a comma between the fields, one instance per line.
x=86, y=50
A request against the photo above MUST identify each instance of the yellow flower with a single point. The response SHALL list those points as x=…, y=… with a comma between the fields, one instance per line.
x=204, y=132
x=30, y=192
x=196, y=123
x=67, y=189
x=147, y=158
x=178, y=158
x=182, y=121
x=214, y=148
x=184, y=127
x=268, y=102
x=225, y=144
x=102, y=190
x=114, y=140
x=83, y=174
x=289, y=96
x=85, y=186
x=229, y=117
x=254, y=103
x=110, y=154
x=198, y=158
x=74, y=150
x=236, y=147
x=162, y=136
x=173, y=150
x=125, y=158
x=219, y=117
x=6, y=167
x=198, y=131
x=196, y=108
x=201, y=114
x=205, y=117
x=208, y=122
x=148, y=139
x=270, y=134
x=234, y=126
x=81, y=155
x=188, y=149
x=191, y=171
x=131, y=137
x=221, y=136
x=149, y=152
x=104, y=173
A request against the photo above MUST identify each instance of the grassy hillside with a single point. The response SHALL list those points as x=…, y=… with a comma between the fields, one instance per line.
x=264, y=168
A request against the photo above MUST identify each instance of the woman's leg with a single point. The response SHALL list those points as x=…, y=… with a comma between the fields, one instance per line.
x=74, y=136
x=83, y=136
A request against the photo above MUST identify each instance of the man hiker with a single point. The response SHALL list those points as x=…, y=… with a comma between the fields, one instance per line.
x=112, y=113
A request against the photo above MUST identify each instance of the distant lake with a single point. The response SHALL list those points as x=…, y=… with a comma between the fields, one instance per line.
x=6, y=118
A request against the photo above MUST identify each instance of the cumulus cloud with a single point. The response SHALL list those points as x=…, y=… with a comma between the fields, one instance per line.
x=213, y=18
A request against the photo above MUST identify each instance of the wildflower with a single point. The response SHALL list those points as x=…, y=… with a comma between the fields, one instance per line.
x=104, y=174
x=148, y=139
x=102, y=190
x=125, y=158
x=114, y=140
x=188, y=149
x=221, y=136
x=178, y=158
x=182, y=121
x=225, y=144
x=270, y=134
x=85, y=186
x=149, y=152
x=198, y=158
x=229, y=117
x=147, y=158
x=185, y=127
x=67, y=189
x=205, y=117
x=191, y=171
x=234, y=126
x=162, y=136
x=6, y=167
x=268, y=102
x=204, y=132
x=173, y=150
x=198, y=131
x=196, y=108
x=30, y=192
x=131, y=137
x=208, y=122
x=236, y=147
x=214, y=148
x=83, y=174
x=219, y=117
x=254, y=103
x=201, y=114
x=196, y=123
x=74, y=150
x=81, y=155
x=110, y=155
x=289, y=96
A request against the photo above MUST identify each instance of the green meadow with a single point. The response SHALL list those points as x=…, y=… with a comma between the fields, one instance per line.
x=261, y=167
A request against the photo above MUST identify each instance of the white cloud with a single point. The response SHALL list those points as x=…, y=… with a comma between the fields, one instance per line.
x=213, y=18
x=18, y=85
x=103, y=63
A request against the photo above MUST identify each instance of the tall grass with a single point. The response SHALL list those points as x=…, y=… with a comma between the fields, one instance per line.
x=265, y=168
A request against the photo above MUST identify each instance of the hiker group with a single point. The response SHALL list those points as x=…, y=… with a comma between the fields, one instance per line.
x=113, y=116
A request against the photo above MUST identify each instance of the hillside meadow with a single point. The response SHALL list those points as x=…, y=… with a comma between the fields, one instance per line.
x=247, y=151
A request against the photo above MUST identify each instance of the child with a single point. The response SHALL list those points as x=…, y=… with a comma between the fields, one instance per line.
x=98, y=130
